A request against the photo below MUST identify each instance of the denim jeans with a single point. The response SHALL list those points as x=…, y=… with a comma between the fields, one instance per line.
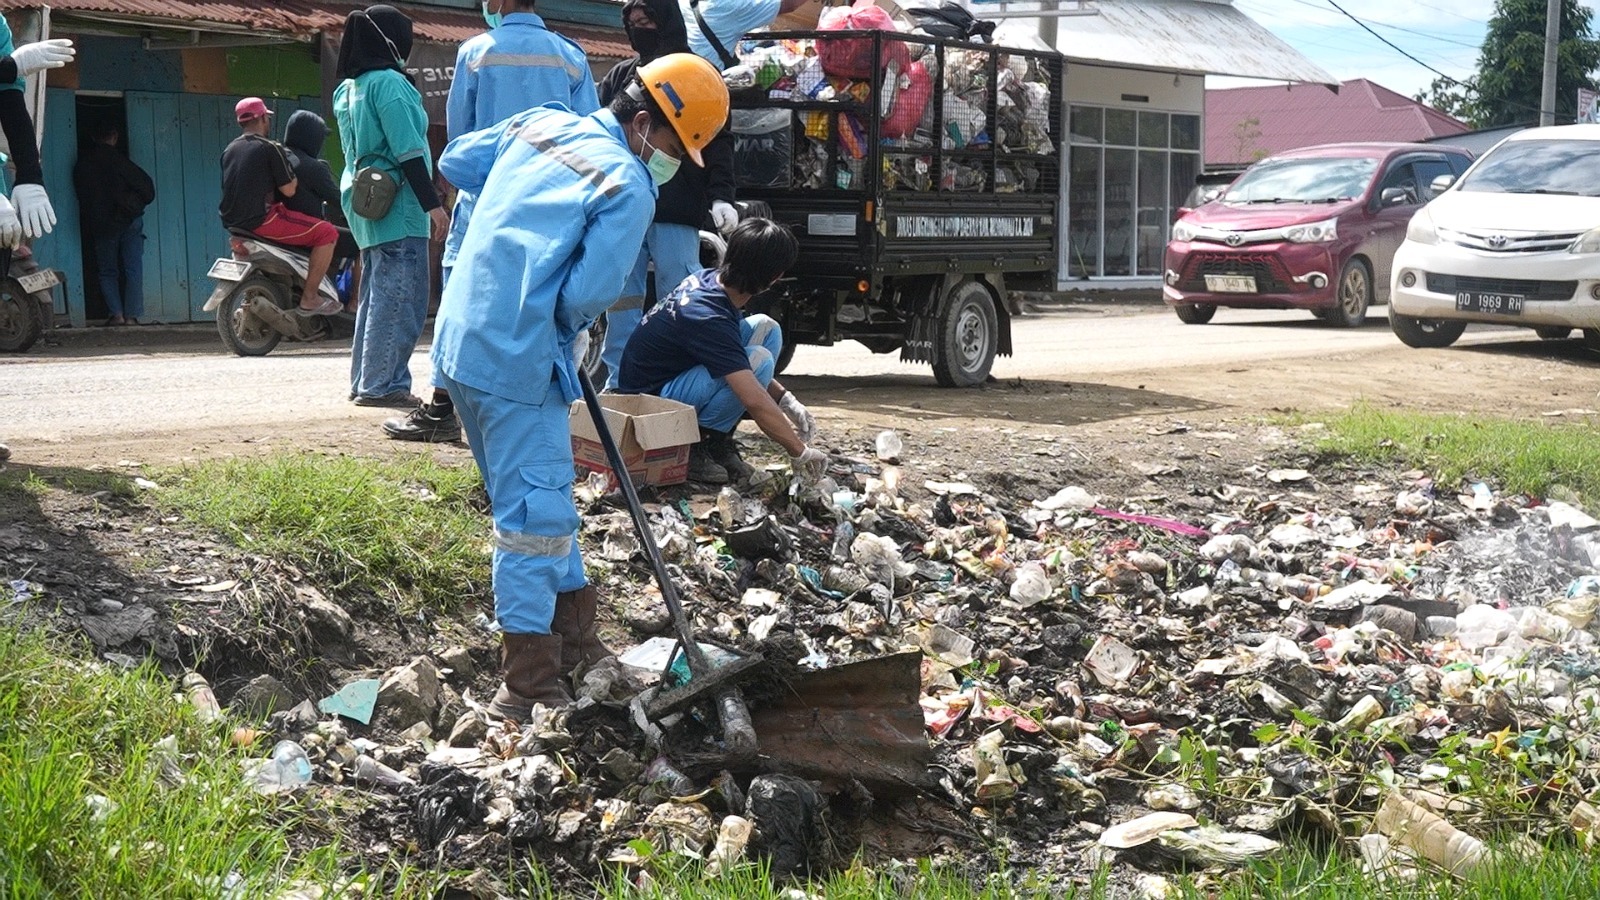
x=715, y=404
x=119, y=263
x=676, y=252
x=394, y=303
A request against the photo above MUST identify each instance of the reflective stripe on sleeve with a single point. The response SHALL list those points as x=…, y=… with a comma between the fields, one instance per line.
x=526, y=60
x=533, y=544
x=574, y=161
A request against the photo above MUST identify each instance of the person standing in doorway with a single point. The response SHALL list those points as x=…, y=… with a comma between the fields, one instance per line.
x=516, y=65
x=699, y=196
x=112, y=194
x=384, y=131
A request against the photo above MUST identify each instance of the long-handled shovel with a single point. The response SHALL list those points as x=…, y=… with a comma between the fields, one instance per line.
x=705, y=679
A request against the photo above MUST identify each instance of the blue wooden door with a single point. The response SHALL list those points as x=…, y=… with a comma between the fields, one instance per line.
x=63, y=248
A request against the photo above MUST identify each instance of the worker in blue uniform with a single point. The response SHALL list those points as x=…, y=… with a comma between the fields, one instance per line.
x=717, y=26
x=563, y=201
x=516, y=65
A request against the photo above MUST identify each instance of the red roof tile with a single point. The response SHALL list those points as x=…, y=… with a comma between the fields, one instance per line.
x=305, y=18
x=1305, y=115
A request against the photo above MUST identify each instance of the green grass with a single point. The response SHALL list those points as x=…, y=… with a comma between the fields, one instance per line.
x=1517, y=456
x=70, y=731
x=402, y=529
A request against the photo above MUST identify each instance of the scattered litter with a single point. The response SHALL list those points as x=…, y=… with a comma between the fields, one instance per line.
x=356, y=700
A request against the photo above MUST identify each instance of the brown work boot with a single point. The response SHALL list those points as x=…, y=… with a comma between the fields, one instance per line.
x=576, y=620
x=530, y=669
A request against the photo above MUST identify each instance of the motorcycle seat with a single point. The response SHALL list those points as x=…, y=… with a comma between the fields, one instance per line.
x=252, y=236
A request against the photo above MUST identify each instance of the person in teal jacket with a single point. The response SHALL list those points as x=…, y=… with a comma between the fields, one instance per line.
x=382, y=123
x=563, y=204
x=517, y=65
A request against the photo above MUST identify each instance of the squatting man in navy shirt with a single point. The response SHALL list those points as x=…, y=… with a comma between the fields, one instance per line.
x=696, y=347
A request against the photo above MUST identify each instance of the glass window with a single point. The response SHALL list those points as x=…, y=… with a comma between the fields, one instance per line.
x=1119, y=217
x=1087, y=124
x=1427, y=170
x=1538, y=167
x=1185, y=132
x=1153, y=218
x=1083, y=229
x=1185, y=169
x=1315, y=179
x=1153, y=130
x=1121, y=127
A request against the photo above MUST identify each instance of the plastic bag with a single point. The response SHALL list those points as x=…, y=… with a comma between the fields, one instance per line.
x=910, y=102
x=853, y=58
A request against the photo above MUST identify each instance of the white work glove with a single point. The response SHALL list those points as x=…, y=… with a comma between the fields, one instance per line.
x=811, y=463
x=725, y=215
x=33, y=209
x=40, y=55
x=580, y=349
x=804, y=423
x=10, y=225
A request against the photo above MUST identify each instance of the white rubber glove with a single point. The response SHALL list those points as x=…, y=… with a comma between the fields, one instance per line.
x=804, y=423
x=811, y=463
x=33, y=209
x=725, y=215
x=40, y=55
x=580, y=349
x=10, y=225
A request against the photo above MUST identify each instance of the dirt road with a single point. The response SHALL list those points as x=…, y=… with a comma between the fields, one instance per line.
x=177, y=396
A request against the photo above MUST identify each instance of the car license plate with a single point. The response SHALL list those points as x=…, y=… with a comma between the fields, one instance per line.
x=1231, y=284
x=39, y=281
x=1496, y=304
x=229, y=270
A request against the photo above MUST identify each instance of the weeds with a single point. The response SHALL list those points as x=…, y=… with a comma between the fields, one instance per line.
x=404, y=530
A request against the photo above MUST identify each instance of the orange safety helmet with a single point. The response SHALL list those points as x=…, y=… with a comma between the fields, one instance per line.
x=691, y=93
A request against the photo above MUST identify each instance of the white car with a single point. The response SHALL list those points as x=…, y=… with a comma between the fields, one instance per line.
x=1516, y=241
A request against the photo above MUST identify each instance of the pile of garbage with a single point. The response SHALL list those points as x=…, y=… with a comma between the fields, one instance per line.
x=1097, y=680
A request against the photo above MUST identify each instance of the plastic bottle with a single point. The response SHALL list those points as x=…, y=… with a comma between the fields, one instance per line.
x=889, y=446
x=206, y=707
x=289, y=769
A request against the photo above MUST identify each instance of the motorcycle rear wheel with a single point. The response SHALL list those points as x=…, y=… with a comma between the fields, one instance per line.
x=243, y=332
x=21, y=318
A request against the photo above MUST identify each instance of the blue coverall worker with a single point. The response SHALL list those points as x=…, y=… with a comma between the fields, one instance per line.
x=560, y=198
x=516, y=65
x=699, y=197
x=728, y=21
x=697, y=347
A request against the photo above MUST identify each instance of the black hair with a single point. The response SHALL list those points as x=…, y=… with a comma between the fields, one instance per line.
x=105, y=130
x=759, y=252
x=634, y=100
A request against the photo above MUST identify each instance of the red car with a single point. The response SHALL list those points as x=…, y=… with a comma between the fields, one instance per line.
x=1312, y=229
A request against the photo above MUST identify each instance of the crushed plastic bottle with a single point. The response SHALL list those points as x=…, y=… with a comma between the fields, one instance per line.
x=889, y=446
x=206, y=707
x=289, y=769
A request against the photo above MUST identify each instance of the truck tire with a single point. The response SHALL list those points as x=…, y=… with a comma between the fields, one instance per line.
x=1425, y=333
x=968, y=337
x=785, y=356
x=243, y=333
x=21, y=317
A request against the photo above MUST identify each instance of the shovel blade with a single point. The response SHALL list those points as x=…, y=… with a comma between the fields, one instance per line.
x=855, y=722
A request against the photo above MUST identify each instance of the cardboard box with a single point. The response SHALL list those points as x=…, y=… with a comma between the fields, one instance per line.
x=652, y=433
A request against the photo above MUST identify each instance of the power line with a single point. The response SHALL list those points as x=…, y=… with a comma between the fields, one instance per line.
x=1448, y=79
x=1424, y=34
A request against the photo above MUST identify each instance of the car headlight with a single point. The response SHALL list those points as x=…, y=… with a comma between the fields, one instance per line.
x=1183, y=231
x=1588, y=242
x=1314, y=233
x=1422, y=230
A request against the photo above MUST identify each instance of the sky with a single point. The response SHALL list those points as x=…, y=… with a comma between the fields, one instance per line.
x=1445, y=34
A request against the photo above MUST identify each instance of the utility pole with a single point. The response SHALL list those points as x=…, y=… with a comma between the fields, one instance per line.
x=1552, y=41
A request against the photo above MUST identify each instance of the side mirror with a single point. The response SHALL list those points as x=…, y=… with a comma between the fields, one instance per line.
x=1442, y=184
x=1394, y=197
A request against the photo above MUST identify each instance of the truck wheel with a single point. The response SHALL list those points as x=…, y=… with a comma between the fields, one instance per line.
x=1425, y=333
x=242, y=332
x=1194, y=313
x=1354, y=296
x=21, y=317
x=785, y=356
x=968, y=338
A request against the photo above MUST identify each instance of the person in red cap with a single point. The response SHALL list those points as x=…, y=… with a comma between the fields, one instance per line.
x=255, y=173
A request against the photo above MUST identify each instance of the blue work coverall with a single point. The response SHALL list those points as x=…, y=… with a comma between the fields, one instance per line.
x=561, y=200
x=520, y=65
x=730, y=20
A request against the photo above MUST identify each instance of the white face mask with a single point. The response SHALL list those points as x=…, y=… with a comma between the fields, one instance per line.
x=662, y=167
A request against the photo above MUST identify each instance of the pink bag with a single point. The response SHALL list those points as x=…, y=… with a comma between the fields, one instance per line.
x=853, y=58
x=910, y=102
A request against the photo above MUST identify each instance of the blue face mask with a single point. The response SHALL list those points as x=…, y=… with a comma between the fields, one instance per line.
x=494, y=19
x=662, y=167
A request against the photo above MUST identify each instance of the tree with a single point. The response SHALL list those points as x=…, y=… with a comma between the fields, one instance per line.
x=1246, y=132
x=1511, y=67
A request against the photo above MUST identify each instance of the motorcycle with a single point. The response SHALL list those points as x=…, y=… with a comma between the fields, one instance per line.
x=27, y=299
x=257, y=290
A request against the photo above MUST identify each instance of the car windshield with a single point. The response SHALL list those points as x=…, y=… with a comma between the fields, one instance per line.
x=1539, y=167
x=1322, y=179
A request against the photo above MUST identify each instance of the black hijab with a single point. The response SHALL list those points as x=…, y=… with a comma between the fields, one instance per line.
x=670, y=35
x=368, y=36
